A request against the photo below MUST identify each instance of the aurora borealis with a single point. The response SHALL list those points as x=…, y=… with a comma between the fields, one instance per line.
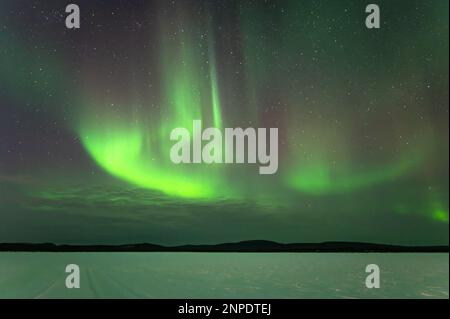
x=86, y=116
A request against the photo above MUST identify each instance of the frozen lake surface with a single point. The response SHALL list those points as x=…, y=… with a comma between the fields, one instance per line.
x=224, y=275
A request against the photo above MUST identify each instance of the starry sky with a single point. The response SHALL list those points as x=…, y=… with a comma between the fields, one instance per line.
x=86, y=115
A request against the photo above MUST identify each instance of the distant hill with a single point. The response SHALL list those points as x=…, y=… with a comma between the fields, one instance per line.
x=243, y=246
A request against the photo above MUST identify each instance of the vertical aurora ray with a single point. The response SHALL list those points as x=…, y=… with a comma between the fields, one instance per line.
x=215, y=95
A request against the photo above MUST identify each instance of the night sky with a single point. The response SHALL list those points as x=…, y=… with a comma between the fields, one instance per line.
x=86, y=115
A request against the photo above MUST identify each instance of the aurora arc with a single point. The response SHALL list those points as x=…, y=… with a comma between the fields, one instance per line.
x=135, y=147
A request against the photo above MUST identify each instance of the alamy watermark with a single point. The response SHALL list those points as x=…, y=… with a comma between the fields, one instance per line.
x=373, y=279
x=229, y=147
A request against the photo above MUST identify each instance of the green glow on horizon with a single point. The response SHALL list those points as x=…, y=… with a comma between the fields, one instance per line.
x=441, y=216
x=321, y=178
